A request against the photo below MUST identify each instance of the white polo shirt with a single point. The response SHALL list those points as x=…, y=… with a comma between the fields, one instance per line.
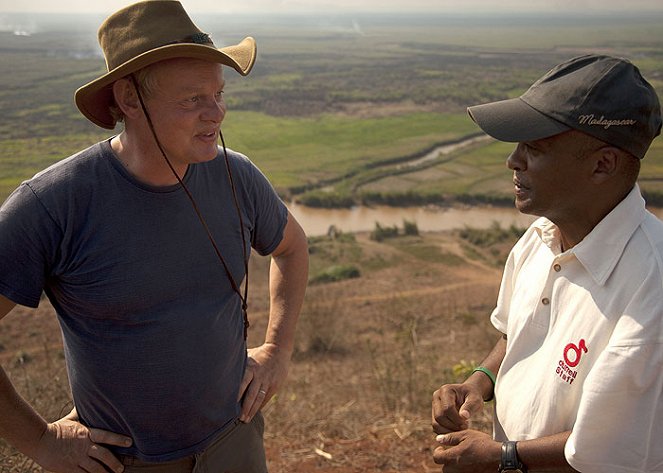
x=585, y=341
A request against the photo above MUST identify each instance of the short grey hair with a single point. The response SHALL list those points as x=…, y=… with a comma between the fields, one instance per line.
x=146, y=83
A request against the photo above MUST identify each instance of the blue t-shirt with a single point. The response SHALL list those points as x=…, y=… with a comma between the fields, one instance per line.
x=153, y=331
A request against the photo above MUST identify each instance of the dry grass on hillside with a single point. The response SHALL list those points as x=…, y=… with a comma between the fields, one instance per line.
x=370, y=352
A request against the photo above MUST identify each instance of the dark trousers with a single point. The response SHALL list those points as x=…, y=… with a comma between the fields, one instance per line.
x=239, y=449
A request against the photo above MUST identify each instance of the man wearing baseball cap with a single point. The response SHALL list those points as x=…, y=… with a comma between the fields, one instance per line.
x=141, y=243
x=577, y=376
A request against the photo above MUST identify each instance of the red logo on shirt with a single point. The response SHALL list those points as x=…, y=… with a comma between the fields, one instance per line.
x=572, y=355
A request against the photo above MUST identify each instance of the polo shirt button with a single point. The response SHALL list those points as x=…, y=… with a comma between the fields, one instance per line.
x=545, y=301
x=557, y=268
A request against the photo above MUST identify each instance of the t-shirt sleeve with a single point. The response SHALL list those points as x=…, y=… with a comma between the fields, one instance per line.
x=270, y=214
x=28, y=239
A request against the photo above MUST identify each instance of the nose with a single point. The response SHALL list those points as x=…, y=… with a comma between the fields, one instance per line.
x=516, y=160
x=215, y=110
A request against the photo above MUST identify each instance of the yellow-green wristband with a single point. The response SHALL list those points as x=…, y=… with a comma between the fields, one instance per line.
x=490, y=375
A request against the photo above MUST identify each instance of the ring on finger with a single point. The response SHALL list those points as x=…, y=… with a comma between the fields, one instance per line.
x=262, y=391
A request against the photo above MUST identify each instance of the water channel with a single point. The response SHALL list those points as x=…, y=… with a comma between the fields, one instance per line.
x=428, y=219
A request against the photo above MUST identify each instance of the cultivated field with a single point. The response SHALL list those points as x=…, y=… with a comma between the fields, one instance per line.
x=333, y=101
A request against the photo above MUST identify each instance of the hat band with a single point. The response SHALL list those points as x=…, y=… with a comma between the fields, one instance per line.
x=196, y=38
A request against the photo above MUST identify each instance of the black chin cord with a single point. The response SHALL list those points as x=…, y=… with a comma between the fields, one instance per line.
x=233, y=283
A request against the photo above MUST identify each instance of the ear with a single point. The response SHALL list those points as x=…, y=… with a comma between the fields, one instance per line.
x=126, y=98
x=606, y=164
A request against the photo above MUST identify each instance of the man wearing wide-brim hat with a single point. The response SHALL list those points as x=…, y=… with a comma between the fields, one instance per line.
x=141, y=242
x=577, y=375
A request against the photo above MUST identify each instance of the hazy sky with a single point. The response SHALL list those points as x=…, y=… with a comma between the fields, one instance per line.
x=583, y=6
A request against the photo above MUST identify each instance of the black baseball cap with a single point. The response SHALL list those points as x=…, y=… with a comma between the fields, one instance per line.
x=603, y=96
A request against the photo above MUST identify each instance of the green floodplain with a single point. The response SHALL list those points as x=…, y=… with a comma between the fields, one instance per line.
x=339, y=110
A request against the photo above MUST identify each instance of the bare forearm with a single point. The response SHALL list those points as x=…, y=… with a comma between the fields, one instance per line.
x=494, y=359
x=545, y=454
x=20, y=424
x=267, y=366
x=471, y=451
x=493, y=362
x=287, y=288
x=288, y=277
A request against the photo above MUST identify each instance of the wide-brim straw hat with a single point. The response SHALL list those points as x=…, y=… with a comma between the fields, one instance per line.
x=145, y=33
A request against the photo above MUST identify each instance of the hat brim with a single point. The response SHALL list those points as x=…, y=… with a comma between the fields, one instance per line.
x=515, y=121
x=95, y=98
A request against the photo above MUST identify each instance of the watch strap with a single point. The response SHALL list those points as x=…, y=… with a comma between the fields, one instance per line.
x=510, y=460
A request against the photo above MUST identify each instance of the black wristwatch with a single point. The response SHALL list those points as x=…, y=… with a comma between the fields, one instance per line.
x=510, y=460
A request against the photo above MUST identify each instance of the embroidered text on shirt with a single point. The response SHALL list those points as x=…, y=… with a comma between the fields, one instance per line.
x=572, y=354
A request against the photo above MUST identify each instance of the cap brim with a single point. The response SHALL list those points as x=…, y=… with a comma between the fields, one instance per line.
x=514, y=121
x=95, y=98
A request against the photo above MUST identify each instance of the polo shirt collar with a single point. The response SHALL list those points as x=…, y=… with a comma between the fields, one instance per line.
x=601, y=249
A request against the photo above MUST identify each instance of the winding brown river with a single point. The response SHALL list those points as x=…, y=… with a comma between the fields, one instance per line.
x=361, y=219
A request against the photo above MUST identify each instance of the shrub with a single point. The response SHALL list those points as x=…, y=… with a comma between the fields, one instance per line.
x=487, y=237
x=320, y=330
x=410, y=228
x=336, y=273
x=326, y=200
x=463, y=369
x=381, y=233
